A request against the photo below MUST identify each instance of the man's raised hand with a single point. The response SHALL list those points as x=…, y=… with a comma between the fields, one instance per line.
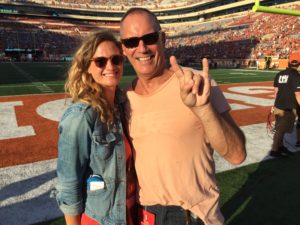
x=194, y=88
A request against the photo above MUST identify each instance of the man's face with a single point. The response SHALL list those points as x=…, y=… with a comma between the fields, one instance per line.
x=147, y=59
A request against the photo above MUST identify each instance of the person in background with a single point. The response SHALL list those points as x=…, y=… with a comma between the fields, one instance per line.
x=96, y=178
x=177, y=118
x=287, y=99
x=297, y=145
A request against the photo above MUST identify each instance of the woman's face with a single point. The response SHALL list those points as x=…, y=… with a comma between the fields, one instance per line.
x=106, y=66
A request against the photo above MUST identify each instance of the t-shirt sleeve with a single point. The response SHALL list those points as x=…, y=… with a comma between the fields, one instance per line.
x=296, y=83
x=217, y=98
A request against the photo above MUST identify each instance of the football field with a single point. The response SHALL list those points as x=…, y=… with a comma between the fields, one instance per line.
x=258, y=192
x=43, y=78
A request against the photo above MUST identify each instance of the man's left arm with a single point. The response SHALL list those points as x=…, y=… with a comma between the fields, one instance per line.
x=223, y=134
x=296, y=83
x=221, y=131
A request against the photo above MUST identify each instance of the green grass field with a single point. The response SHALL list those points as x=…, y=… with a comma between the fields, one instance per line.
x=265, y=193
x=35, y=78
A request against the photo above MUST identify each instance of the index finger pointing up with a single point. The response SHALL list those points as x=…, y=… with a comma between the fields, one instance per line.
x=176, y=68
x=205, y=67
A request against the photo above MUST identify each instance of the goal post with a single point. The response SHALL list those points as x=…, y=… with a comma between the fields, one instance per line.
x=258, y=8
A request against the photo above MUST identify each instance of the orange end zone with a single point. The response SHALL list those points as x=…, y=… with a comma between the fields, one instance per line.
x=253, y=99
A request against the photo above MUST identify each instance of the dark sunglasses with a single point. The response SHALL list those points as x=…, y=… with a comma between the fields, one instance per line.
x=148, y=39
x=102, y=61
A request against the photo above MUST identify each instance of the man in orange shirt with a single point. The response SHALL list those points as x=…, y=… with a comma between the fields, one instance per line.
x=177, y=118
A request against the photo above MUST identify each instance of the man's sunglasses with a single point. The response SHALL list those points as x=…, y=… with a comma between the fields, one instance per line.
x=148, y=39
x=102, y=61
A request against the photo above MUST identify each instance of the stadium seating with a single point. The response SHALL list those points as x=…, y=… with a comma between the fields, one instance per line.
x=248, y=35
x=112, y=4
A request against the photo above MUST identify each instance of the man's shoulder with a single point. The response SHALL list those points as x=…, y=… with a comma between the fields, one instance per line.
x=288, y=71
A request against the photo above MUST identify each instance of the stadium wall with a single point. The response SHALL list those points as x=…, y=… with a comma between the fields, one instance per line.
x=278, y=64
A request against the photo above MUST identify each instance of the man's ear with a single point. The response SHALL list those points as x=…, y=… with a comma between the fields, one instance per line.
x=163, y=38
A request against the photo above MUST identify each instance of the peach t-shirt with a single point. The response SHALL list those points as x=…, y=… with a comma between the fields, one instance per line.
x=174, y=164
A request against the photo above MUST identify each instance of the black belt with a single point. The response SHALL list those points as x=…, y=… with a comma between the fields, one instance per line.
x=156, y=208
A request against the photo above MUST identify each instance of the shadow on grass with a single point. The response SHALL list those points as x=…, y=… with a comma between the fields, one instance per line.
x=267, y=193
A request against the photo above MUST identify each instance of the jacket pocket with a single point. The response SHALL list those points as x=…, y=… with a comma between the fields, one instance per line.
x=100, y=202
x=104, y=144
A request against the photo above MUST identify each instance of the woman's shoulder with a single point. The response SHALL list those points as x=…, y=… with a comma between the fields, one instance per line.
x=79, y=110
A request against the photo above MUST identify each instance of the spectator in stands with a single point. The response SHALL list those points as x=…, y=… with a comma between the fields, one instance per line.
x=173, y=136
x=287, y=99
x=94, y=154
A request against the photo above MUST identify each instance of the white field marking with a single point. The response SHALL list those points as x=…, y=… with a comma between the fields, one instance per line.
x=25, y=189
x=39, y=85
x=53, y=110
x=250, y=99
x=25, y=193
x=9, y=124
x=32, y=95
x=244, y=73
x=290, y=140
x=27, y=85
x=236, y=106
x=251, y=90
x=259, y=71
x=239, y=77
x=40, y=189
x=247, y=82
x=258, y=146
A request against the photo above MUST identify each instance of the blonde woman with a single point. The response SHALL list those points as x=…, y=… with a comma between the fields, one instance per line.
x=96, y=183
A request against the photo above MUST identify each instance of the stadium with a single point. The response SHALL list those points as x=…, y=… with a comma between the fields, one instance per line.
x=245, y=50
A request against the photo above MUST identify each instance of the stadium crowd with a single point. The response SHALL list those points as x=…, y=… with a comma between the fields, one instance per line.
x=251, y=36
x=112, y=4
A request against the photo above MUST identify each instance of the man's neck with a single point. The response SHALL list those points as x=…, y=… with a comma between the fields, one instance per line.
x=146, y=86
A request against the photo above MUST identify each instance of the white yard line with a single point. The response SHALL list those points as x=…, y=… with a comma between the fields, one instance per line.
x=39, y=85
x=28, y=85
x=226, y=77
x=259, y=71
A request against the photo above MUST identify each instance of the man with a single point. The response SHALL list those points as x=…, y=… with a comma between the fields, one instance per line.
x=177, y=117
x=287, y=98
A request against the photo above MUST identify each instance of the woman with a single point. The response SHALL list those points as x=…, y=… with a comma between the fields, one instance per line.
x=94, y=168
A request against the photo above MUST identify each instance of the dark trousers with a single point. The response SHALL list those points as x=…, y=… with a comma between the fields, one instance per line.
x=172, y=215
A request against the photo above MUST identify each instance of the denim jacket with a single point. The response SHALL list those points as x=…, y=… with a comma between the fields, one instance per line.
x=86, y=147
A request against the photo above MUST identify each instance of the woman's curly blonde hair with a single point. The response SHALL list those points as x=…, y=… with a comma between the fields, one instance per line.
x=80, y=85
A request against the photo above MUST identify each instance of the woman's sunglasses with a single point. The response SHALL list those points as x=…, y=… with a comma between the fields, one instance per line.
x=148, y=39
x=102, y=61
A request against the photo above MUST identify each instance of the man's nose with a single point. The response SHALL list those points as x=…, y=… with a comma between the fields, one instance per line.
x=142, y=47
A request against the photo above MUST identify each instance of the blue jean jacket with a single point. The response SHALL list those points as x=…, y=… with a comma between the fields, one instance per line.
x=86, y=147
